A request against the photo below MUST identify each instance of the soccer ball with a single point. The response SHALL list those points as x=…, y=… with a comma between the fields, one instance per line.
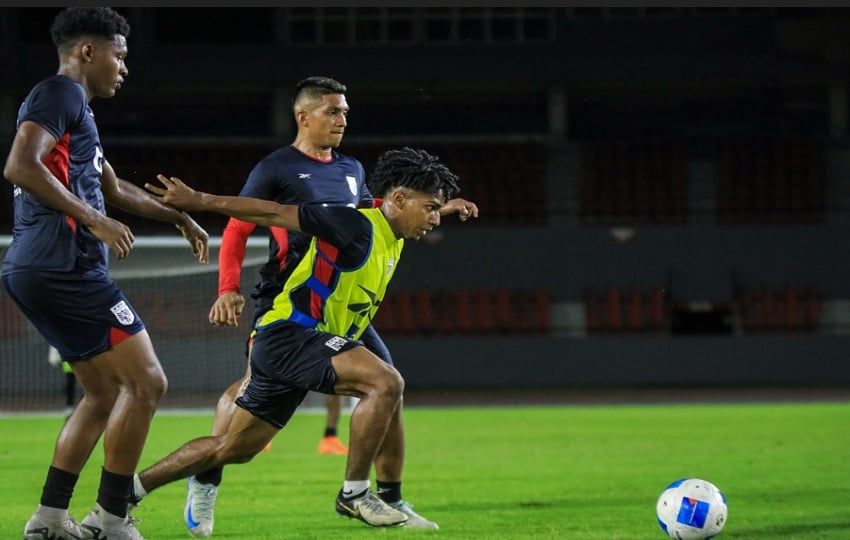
x=691, y=509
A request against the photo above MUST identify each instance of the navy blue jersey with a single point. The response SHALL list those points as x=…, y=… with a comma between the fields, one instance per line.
x=289, y=176
x=43, y=238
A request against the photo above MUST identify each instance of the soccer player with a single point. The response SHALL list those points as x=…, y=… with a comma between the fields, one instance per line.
x=310, y=339
x=309, y=171
x=56, y=272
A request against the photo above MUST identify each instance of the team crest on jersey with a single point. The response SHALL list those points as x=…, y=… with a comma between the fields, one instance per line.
x=336, y=343
x=352, y=184
x=123, y=313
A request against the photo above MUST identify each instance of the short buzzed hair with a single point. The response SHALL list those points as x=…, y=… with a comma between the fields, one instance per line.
x=313, y=88
x=75, y=22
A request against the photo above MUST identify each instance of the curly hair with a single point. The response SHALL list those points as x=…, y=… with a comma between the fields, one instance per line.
x=313, y=88
x=415, y=169
x=74, y=22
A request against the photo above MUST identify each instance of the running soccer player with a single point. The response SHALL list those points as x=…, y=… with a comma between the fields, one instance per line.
x=56, y=272
x=309, y=171
x=310, y=339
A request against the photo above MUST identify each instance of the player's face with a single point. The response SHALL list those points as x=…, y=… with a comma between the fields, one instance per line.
x=326, y=123
x=108, y=66
x=420, y=214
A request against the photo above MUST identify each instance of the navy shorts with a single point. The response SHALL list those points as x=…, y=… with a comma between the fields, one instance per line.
x=370, y=338
x=82, y=315
x=287, y=361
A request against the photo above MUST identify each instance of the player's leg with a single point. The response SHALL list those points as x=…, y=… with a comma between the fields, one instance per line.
x=93, y=326
x=76, y=440
x=331, y=443
x=226, y=405
x=263, y=409
x=202, y=488
x=379, y=388
x=141, y=384
x=389, y=462
x=246, y=436
x=244, y=439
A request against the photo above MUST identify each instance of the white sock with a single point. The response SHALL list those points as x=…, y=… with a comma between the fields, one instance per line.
x=110, y=521
x=52, y=514
x=354, y=487
x=138, y=489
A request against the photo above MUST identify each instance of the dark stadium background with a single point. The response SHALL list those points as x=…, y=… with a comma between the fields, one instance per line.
x=663, y=191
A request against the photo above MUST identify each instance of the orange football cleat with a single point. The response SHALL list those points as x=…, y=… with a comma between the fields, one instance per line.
x=332, y=445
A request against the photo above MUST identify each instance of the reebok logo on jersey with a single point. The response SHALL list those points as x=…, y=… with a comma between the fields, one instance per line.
x=304, y=176
x=123, y=313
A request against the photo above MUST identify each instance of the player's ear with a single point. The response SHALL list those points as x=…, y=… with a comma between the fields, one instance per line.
x=87, y=52
x=301, y=117
x=399, y=198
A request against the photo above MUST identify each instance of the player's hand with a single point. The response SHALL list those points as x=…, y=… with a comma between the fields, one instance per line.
x=117, y=236
x=463, y=208
x=197, y=237
x=227, y=309
x=175, y=193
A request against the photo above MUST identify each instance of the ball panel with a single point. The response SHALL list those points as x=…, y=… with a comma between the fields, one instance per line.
x=691, y=509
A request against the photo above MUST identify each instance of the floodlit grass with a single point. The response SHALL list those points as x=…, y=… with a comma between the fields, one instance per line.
x=501, y=472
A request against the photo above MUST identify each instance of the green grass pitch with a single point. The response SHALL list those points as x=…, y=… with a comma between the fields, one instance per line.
x=566, y=472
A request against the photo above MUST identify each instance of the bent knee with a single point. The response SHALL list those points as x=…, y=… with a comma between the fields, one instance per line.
x=392, y=383
x=150, y=388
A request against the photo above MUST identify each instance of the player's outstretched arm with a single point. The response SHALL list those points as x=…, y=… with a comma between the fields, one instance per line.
x=258, y=211
x=463, y=208
x=127, y=196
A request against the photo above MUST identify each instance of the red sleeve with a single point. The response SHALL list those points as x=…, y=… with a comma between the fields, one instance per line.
x=232, y=254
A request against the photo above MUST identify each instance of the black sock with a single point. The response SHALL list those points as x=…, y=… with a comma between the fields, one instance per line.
x=330, y=432
x=389, y=492
x=58, y=488
x=114, y=492
x=212, y=476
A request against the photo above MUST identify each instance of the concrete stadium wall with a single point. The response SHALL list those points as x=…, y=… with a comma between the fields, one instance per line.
x=549, y=363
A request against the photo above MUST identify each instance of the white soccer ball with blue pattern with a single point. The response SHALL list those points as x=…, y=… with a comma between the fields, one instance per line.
x=691, y=509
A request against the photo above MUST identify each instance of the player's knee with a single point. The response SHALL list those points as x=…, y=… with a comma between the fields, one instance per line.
x=391, y=384
x=158, y=386
x=150, y=389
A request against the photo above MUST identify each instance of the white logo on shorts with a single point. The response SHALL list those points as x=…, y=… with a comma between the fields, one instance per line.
x=336, y=343
x=123, y=313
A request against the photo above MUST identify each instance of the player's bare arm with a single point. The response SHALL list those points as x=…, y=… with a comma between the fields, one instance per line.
x=227, y=309
x=127, y=196
x=265, y=213
x=25, y=168
x=463, y=208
